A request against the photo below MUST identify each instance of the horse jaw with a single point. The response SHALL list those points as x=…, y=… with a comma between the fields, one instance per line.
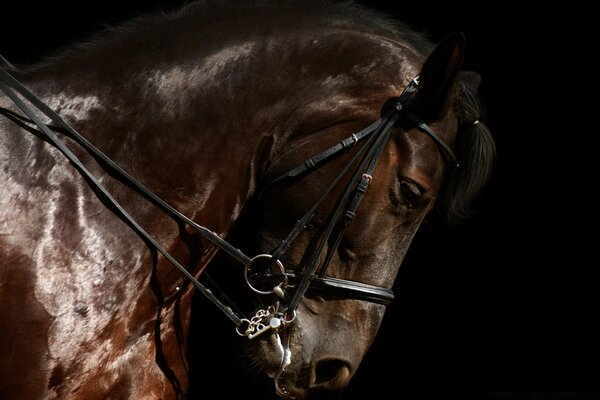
x=308, y=356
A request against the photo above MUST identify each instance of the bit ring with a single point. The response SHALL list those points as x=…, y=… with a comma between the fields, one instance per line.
x=282, y=284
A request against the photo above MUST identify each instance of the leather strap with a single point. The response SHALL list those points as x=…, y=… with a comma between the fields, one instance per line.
x=423, y=127
x=338, y=287
x=317, y=159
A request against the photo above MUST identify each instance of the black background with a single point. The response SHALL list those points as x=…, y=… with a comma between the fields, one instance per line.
x=505, y=302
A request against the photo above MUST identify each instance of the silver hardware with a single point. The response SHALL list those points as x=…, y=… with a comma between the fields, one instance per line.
x=278, y=289
x=287, y=320
x=274, y=323
x=256, y=325
x=264, y=320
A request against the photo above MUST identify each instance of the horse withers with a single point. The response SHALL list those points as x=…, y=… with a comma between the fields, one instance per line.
x=209, y=107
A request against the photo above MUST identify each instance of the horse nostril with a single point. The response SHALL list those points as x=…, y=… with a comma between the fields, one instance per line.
x=332, y=373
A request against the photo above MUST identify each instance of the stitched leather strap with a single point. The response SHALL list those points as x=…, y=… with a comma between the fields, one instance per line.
x=315, y=160
x=334, y=286
x=423, y=127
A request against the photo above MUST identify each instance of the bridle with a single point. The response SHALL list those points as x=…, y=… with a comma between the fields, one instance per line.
x=281, y=281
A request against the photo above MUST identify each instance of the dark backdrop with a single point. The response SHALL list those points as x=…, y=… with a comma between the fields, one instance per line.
x=505, y=302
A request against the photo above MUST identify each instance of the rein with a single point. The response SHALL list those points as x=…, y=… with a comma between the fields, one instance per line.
x=311, y=278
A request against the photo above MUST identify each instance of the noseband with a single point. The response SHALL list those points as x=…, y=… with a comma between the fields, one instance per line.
x=289, y=287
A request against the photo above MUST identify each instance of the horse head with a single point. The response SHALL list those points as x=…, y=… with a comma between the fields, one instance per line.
x=324, y=345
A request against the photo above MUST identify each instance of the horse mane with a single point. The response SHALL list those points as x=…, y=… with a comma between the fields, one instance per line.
x=348, y=10
x=334, y=12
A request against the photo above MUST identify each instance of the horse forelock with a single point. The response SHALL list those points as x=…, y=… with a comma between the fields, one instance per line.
x=476, y=152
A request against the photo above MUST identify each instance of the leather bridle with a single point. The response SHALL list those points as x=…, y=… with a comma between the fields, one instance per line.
x=288, y=287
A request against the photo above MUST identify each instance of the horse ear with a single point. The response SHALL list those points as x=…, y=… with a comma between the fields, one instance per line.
x=439, y=77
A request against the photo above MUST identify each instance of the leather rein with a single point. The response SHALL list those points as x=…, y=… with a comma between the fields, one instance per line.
x=276, y=276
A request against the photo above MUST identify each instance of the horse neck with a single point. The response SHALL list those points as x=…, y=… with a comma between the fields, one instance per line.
x=190, y=158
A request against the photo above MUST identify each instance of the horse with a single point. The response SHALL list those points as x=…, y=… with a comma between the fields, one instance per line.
x=189, y=119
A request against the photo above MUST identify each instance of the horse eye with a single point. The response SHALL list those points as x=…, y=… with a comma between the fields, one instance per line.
x=411, y=192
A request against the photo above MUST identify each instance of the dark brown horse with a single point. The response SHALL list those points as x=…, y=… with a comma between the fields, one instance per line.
x=207, y=107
